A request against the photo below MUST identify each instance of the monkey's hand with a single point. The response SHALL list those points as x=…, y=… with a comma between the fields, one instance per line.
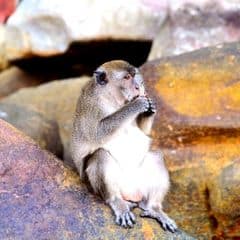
x=141, y=104
x=151, y=107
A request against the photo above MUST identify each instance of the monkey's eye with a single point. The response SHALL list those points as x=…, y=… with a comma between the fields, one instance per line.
x=127, y=76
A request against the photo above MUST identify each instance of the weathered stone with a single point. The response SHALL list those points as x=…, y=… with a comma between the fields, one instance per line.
x=13, y=44
x=198, y=128
x=43, y=130
x=41, y=199
x=55, y=100
x=197, y=94
x=51, y=26
x=193, y=25
x=14, y=78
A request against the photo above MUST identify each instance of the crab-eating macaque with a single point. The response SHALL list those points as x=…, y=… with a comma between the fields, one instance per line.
x=111, y=144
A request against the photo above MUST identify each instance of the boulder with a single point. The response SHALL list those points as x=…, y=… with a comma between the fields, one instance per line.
x=42, y=199
x=197, y=126
x=14, y=78
x=43, y=130
x=45, y=28
x=197, y=94
x=192, y=25
x=49, y=27
x=56, y=101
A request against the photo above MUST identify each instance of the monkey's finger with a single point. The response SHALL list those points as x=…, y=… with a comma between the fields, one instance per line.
x=171, y=225
x=132, y=217
x=152, y=104
x=118, y=220
x=128, y=220
x=123, y=222
x=153, y=110
x=172, y=228
x=164, y=226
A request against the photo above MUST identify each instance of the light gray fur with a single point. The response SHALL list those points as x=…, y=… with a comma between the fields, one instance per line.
x=103, y=119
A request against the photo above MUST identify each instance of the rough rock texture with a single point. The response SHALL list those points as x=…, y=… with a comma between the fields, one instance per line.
x=43, y=130
x=198, y=97
x=51, y=26
x=14, y=78
x=55, y=101
x=41, y=199
x=195, y=24
x=197, y=126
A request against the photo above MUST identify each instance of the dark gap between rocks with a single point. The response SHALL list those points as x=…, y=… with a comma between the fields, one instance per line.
x=83, y=58
x=212, y=218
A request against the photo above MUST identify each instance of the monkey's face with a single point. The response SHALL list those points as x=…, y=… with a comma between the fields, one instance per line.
x=131, y=85
x=121, y=79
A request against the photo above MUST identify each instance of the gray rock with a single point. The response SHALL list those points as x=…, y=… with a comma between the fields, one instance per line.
x=51, y=26
x=43, y=130
x=13, y=79
x=55, y=101
x=195, y=24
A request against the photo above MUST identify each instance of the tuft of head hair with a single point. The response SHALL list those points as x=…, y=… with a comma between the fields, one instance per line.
x=118, y=65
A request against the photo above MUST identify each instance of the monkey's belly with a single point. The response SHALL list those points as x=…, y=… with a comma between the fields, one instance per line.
x=129, y=147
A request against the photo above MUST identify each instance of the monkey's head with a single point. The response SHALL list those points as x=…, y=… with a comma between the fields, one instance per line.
x=121, y=79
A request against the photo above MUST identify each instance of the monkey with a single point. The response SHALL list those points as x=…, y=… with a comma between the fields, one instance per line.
x=111, y=145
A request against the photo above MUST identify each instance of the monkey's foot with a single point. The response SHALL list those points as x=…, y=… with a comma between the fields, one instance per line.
x=121, y=209
x=126, y=219
x=166, y=222
x=132, y=204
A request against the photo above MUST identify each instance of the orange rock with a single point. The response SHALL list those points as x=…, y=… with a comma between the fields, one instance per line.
x=198, y=127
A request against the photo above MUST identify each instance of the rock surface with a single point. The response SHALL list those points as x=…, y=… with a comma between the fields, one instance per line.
x=55, y=101
x=14, y=78
x=195, y=24
x=197, y=126
x=43, y=130
x=41, y=199
x=49, y=27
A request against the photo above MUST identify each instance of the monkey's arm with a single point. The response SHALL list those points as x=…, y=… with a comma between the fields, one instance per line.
x=113, y=122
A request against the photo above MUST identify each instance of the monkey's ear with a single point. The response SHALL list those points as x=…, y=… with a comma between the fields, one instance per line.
x=101, y=77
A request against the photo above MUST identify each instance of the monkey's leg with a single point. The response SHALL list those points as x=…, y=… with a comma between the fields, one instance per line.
x=158, y=184
x=145, y=123
x=104, y=176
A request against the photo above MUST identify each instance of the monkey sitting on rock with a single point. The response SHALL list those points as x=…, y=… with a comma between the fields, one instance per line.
x=110, y=144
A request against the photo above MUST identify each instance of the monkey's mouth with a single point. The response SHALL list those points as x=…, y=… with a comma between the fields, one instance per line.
x=130, y=98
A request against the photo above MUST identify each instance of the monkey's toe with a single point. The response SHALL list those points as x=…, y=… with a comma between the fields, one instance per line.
x=167, y=223
x=126, y=219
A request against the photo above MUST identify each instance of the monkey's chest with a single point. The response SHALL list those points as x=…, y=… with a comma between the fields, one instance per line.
x=129, y=147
